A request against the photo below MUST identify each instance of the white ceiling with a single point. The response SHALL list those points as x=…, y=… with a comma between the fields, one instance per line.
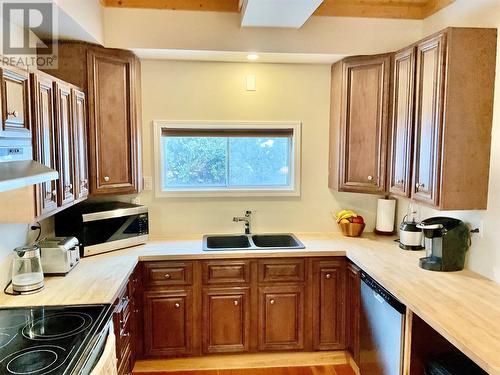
x=231, y=56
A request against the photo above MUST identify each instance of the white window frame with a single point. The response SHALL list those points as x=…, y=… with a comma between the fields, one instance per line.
x=295, y=160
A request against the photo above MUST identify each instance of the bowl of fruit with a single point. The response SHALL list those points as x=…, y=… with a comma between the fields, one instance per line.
x=350, y=223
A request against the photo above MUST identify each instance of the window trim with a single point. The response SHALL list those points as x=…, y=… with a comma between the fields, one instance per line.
x=294, y=191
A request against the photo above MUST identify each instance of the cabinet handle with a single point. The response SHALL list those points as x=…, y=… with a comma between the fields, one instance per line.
x=167, y=276
x=236, y=303
x=177, y=305
x=13, y=113
x=272, y=302
x=328, y=276
x=106, y=178
x=400, y=182
x=125, y=334
x=370, y=178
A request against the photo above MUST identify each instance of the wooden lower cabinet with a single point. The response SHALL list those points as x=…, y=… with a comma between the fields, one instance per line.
x=281, y=317
x=226, y=320
x=329, y=301
x=168, y=323
x=242, y=306
x=353, y=291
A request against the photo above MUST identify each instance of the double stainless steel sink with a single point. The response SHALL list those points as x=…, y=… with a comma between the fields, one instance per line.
x=282, y=241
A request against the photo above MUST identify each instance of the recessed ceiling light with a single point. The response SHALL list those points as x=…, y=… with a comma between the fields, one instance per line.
x=252, y=56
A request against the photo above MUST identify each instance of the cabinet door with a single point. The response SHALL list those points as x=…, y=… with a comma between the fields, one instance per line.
x=78, y=109
x=66, y=156
x=353, y=310
x=364, y=124
x=44, y=140
x=168, y=323
x=329, y=299
x=281, y=320
x=15, y=102
x=402, y=122
x=114, y=142
x=428, y=119
x=226, y=320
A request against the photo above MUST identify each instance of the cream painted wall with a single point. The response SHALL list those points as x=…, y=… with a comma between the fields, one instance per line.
x=212, y=31
x=215, y=91
x=484, y=255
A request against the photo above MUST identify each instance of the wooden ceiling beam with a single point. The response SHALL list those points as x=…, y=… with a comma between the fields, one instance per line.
x=206, y=5
x=400, y=9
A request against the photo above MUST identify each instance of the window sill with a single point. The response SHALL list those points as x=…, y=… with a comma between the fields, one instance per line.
x=228, y=193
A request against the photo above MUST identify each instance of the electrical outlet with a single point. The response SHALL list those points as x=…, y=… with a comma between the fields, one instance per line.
x=147, y=183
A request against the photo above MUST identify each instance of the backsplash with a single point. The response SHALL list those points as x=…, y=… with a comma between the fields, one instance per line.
x=483, y=256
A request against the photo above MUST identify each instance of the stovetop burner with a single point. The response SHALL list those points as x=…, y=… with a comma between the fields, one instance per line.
x=40, y=360
x=57, y=326
x=48, y=340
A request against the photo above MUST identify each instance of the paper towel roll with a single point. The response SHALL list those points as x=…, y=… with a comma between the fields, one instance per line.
x=386, y=210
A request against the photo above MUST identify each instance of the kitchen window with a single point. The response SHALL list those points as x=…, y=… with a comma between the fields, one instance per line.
x=227, y=159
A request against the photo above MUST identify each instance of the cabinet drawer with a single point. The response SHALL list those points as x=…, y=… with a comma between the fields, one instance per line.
x=226, y=272
x=275, y=270
x=168, y=273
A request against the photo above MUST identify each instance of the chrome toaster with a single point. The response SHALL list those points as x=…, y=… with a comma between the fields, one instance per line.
x=59, y=255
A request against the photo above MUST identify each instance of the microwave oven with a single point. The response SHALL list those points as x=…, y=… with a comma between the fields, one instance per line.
x=103, y=226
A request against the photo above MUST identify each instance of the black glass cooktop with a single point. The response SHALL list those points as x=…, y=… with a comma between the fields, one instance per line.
x=49, y=340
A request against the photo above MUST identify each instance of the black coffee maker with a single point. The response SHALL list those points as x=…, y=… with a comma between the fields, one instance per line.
x=446, y=242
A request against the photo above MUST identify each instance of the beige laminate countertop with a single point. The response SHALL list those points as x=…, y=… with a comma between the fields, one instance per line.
x=463, y=306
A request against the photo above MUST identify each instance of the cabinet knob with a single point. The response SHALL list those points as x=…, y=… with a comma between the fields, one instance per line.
x=370, y=178
x=106, y=178
x=328, y=276
x=272, y=302
x=236, y=303
x=13, y=113
x=136, y=311
x=418, y=186
x=54, y=193
x=177, y=305
x=400, y=182
x=125, y=334
x=167, y=276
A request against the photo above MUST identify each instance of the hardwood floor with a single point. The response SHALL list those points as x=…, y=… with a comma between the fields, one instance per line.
x=299, y=363
x=310, y=370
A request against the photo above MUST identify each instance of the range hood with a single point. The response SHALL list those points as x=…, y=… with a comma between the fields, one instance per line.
x=22, y=173
x=17, y=167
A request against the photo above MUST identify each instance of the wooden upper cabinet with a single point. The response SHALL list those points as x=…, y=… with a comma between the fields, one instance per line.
x=455, y=77
x=226, y=320
x=403, y=89
x=114, y=137
x=65, y=143
x=329, y=302
x=15, y=106
x=44, y=139
x=78, y=107
x=428, y=119
x=364, y=124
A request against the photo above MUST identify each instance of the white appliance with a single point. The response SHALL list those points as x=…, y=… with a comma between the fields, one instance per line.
x=59, y=255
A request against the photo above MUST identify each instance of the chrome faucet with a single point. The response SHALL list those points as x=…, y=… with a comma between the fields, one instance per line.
x=247, y=219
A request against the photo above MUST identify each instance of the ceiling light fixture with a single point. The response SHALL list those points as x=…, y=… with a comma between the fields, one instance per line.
x=252, y=56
